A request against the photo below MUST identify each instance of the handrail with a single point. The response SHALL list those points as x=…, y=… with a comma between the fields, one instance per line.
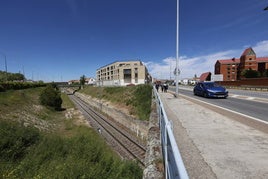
x=174, y=166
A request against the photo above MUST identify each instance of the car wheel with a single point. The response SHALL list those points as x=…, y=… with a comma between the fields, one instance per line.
x=205, y=95
x=195, y=93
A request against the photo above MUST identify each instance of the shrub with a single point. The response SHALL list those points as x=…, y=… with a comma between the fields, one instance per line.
x=15, y=140
x=2, y=89
x=81, y=156
x=51, y=97
x=265, y=74
x=249, y=73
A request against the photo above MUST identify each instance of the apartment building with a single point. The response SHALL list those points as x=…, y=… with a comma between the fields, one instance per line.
x=231, y=68
x=123, y=73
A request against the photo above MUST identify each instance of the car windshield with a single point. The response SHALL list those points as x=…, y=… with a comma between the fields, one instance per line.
x=210, y=85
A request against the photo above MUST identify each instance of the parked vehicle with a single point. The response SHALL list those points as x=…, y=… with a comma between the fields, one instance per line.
x=210, y=89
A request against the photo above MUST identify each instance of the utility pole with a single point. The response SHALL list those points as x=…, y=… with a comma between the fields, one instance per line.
x=23, y=73
x=5, y=63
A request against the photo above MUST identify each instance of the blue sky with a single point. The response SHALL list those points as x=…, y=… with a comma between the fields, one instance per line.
x=60, y=40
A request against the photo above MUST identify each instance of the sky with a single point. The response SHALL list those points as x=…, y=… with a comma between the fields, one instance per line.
x=61, y=40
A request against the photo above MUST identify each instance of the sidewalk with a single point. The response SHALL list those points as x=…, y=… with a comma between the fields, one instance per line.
x=213, y=145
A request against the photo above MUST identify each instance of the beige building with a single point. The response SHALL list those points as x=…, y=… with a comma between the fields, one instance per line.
x=122, y=74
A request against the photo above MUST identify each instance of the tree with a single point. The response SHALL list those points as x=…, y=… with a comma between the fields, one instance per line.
x=82, y=81
x=249, y=73
x=11, y=76
x=265, y=74
x=51, y=97
x=16, y=77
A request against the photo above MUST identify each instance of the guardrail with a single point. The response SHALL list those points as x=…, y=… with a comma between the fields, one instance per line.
x=174, y=167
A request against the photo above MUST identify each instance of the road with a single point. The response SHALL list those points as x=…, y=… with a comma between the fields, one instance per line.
x=215, y=143
x=254, y=105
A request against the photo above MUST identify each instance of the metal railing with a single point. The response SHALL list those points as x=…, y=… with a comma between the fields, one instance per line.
x=174, y=167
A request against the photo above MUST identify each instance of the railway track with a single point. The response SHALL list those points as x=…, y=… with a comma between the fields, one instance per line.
x=125, y=144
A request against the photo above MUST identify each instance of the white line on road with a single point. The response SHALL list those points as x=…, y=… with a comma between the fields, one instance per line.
x=256, y=119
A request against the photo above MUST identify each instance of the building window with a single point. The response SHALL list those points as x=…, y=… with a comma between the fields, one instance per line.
x=127, y=75
x=136, y=74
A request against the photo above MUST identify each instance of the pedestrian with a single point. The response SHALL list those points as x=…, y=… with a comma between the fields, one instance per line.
x=157, y=87
x=162, y=88
x=166, y=87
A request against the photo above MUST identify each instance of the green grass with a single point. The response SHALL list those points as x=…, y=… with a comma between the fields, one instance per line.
x=137, y=99
x=67, y=150
x=66, y=102
x=18, y=99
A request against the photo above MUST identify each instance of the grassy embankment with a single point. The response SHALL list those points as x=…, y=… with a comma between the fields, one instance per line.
x=137, y=99
x=52, y=146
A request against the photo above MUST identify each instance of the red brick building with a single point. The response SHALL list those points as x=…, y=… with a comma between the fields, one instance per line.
x=231, y=68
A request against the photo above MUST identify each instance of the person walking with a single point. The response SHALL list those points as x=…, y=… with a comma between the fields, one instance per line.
x=166, y=87
x=157, y=86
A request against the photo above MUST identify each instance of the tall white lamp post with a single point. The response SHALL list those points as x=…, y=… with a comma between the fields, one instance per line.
x=5, y=63
x=177, y=51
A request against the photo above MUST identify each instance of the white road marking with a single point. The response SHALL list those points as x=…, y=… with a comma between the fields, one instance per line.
x=229, y=110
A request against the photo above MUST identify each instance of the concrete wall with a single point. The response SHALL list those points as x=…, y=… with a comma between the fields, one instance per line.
x=246, y=82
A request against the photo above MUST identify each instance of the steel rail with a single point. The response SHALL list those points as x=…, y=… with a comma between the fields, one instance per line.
x=136, y=150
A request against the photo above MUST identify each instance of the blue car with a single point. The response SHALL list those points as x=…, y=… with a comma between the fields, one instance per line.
x=210, y=90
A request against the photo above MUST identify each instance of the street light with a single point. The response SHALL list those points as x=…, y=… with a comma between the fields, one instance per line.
x=5, y=63
x=177, y=50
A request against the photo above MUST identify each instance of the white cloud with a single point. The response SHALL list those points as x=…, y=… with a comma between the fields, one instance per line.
x=261, y=49
x=198, y=65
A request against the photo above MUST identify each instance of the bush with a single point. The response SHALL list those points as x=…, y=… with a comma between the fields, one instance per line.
x=51, y=97
x=249, y=73
x=265, y=74
x=2, y=89
x=81, y=156
x=15, y=140
x=27, y=153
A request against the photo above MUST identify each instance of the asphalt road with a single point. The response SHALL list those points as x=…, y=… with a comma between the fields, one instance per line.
x=245, y=106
